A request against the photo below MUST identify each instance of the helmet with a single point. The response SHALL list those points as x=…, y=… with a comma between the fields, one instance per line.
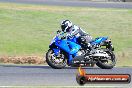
x=66, y=25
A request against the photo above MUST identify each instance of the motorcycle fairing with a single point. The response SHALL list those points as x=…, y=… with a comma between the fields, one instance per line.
x=99, y=40
x=56, y=51
x=68, y=46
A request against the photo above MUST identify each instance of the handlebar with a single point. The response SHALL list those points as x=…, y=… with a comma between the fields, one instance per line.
x=63, y=35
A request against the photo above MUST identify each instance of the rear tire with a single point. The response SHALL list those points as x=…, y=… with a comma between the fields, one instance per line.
x=107, y=66
x=51, y=64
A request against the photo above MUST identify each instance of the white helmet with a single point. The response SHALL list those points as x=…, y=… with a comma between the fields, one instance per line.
x=66, y=25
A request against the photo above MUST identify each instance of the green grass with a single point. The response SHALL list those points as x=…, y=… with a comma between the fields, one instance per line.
x=28, y=29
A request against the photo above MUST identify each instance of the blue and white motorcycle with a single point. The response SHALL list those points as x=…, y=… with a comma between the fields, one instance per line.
x=67, y=51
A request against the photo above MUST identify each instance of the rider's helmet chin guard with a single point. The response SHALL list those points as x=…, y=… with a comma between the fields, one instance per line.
x=66, y=25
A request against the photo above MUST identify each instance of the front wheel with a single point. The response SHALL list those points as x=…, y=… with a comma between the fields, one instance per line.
x=56, y=62
x=109, y=63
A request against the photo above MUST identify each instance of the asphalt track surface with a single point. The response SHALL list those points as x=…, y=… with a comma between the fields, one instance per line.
x=125, y=5
x=13, y=75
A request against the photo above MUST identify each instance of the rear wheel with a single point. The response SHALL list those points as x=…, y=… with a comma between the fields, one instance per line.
x=109, y=63
x=57, y=62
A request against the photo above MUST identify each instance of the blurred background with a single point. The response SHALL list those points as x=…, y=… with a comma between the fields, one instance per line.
x=28, y=26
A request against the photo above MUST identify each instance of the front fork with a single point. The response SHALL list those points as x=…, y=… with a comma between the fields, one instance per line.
x=70, y=57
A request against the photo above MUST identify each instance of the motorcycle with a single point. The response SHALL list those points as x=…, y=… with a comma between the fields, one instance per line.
x=67, y=51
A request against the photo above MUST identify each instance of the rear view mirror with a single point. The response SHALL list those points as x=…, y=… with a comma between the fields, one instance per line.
x=58, y=31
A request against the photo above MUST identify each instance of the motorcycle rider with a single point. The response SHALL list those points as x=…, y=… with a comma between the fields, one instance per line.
x=72, y=30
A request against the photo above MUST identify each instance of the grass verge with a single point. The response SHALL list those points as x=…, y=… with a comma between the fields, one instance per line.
x=28, y=29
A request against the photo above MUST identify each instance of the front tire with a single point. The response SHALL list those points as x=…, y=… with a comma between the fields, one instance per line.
x=107, y=66
x=49, y=59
